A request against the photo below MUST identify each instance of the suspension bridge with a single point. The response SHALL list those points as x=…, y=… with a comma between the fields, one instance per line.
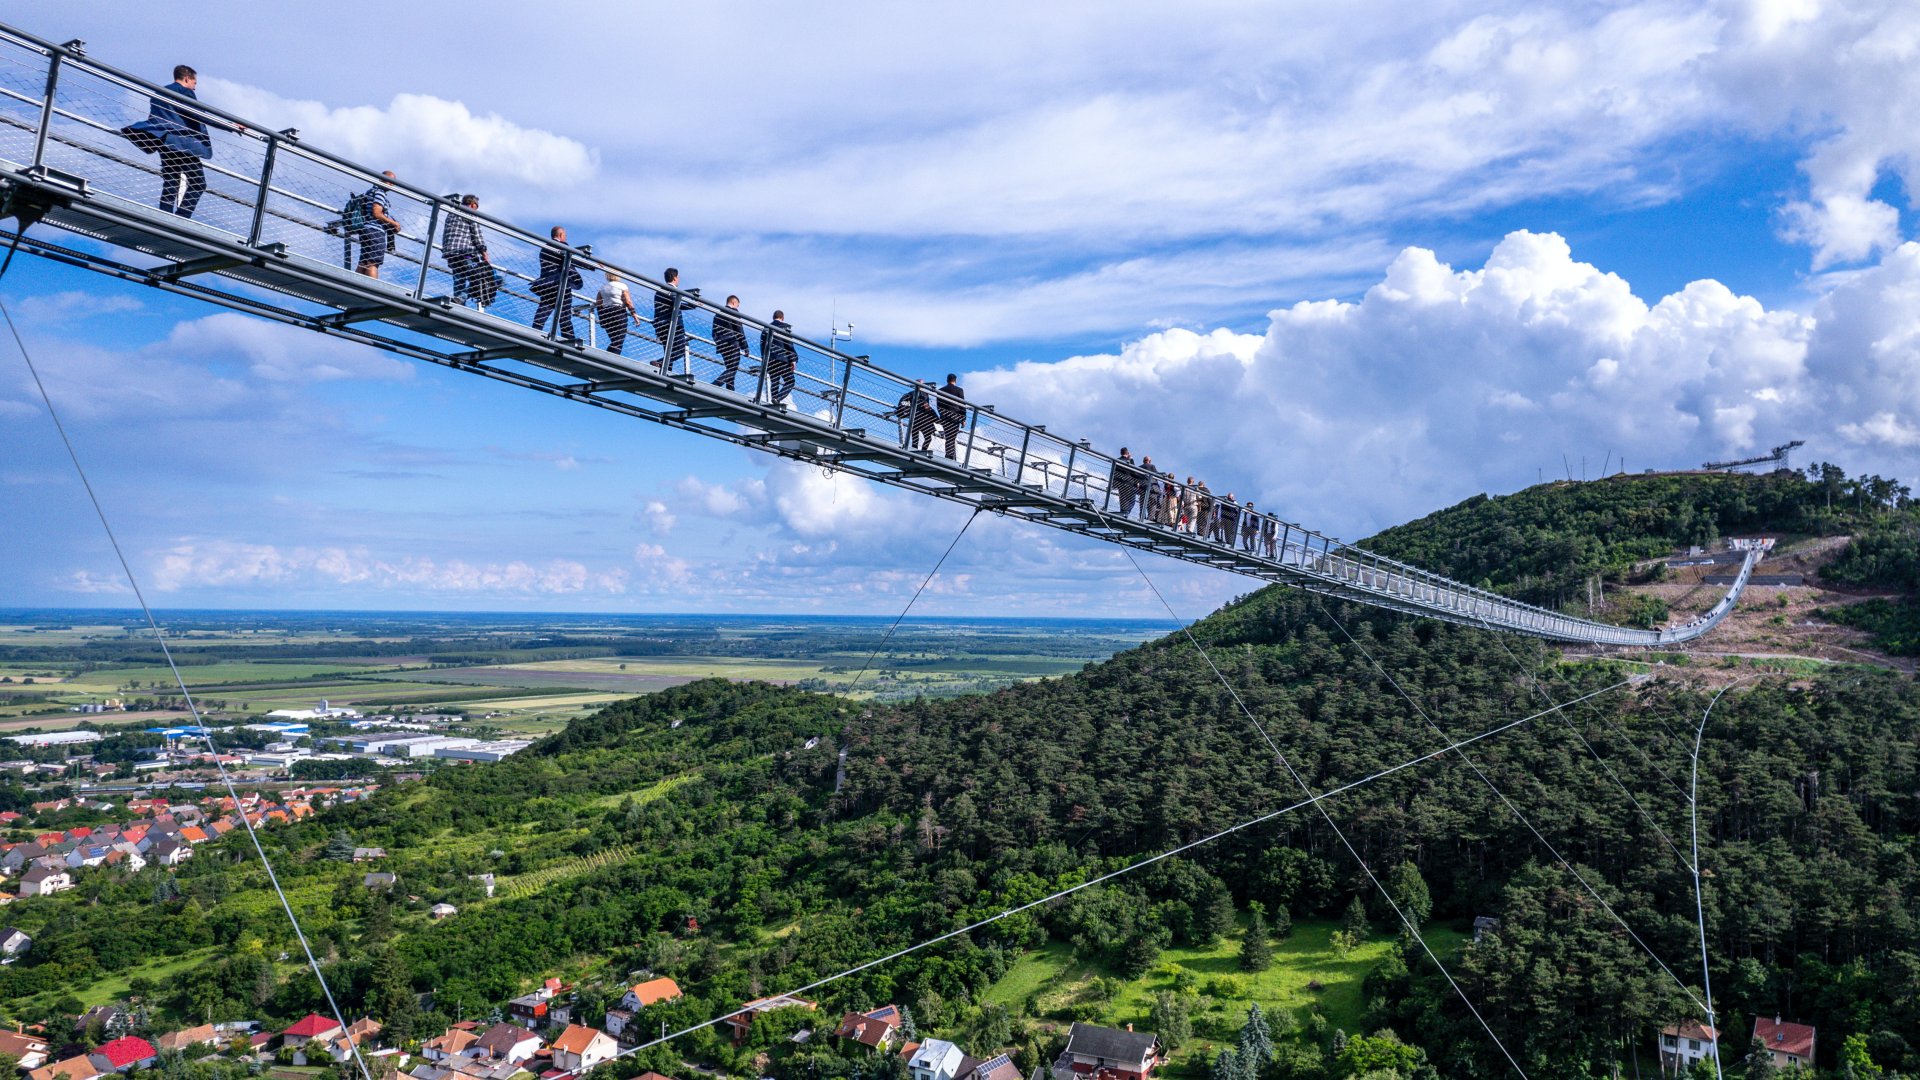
x=268, y=238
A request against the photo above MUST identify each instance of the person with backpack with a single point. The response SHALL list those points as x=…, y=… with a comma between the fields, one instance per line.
x=178, y=133
x=668, y=327
x=555, y=293
x=779, y=360
x=368, y=221
x=730, y=338
x=1123, y=481
x=614, y=306
x=465, y=248
x=917, y=416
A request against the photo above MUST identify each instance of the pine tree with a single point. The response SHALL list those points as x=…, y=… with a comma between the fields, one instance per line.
x=1256, y=1041
x=1227, y=1066
x=1282, y=922
x=1256, y=951
x=1409, y=891
x=907, y=1028
x=1356, y=920
x=1759, y=1062
x=1171, y=1018
x=340, y=847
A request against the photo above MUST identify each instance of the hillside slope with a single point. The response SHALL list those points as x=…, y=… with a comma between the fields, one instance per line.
x=693, y=834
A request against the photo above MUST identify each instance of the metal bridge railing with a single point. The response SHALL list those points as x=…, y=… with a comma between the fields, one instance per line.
x=62, y=112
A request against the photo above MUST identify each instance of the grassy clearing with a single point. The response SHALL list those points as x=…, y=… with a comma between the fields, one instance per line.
x=563, y=700
x=1051, y=982
x=115, y=987
x=657, y=789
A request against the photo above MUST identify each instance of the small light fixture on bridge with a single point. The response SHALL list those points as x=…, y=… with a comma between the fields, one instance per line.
x=290, y=133
x=77, y=46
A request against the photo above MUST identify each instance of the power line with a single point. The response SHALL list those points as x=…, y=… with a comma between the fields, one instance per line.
x=353, y=1045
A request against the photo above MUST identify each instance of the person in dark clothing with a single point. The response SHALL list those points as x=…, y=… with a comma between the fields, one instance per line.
x=1249, y=526
x=917, y=417
x=1122, y=481
x=556, y=295
x=778, y=358
x=730, y=338
x=1227, y=520
x=953, y=414
x=465, y=248
x=178, y=133
x=669, y=327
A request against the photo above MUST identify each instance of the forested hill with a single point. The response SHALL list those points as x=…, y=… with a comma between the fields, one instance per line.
x=1544, y=543
x=694, y=833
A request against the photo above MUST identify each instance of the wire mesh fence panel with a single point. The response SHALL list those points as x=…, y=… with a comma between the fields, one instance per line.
x=23, y=84
x=817, y=378
x=873, y=402
x=994, y=445
x=324, y=213
x=1045, y=462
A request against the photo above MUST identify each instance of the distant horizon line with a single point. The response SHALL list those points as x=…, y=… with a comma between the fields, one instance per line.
x=136, y=615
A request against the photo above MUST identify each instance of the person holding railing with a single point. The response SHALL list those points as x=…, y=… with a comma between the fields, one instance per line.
x=953, y=414
x=730, y=338
x=614, y=306
x=669, y=328
x=554, y=292
x=179, y=135
x=779, y=359
x=465, y=248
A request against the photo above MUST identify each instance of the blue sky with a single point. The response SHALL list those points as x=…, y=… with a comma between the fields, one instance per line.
x=1355, y=263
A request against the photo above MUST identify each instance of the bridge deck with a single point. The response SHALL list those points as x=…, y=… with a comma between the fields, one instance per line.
x=265, y=239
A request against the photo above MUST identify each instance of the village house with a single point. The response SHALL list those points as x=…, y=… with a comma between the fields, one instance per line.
x=1790, y=1044
x=937, y=1059
x=442, y=911
x=358, y=1033
x=995, y=1068
x=1686, y=1044
x=505, y=1042
x=452, y=1044
x=638, y=997
x=78, y=1067
x=29, y=1050
x=874, y=1029
x=168, y=851
x=14, y=942
x=1099, y=1053
x=379, y=880
x=188, y=1037
x=45, y=881
x=579, y=1048
x=124, y=1054
x=309, y=1028
x=543, y=1007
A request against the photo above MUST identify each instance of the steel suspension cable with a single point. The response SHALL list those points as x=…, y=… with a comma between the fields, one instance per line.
x=1507, y=802
x=179, y=680
x=1699, y=900
x=928, y=580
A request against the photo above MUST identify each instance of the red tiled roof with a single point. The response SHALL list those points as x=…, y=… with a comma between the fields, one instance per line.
x=1784, y=1036
x=1691, y=1029
x=126, y=1050
x=312, y=1026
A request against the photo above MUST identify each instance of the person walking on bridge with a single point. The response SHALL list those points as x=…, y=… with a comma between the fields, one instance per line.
x=614, y=306
x=1202, y=511
x=556, y=295
x=1226, y=521
x=1189, y=506
x=917, y=416
x=1121, y=481
x=465, y=248
x=1249, y=526
x=779, y=359
x=178, y=133
x=373, y=226
x=1154, y=504
x=953, y=413
x=730, y=337
x=669, y=328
